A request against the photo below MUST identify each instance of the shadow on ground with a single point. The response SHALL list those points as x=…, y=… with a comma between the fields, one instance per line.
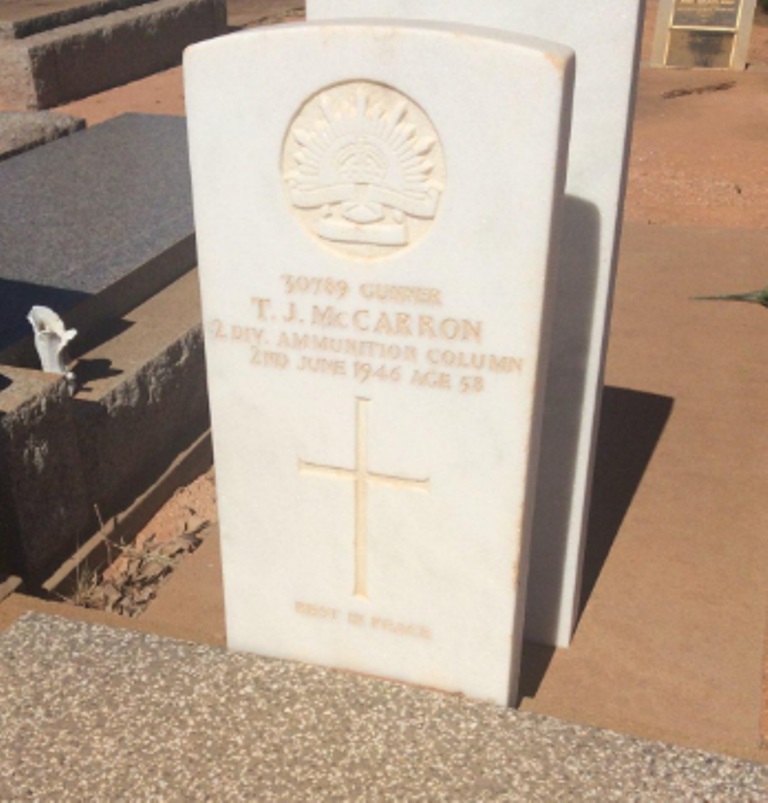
x=631, y=425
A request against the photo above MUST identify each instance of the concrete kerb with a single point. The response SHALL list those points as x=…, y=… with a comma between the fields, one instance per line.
x=52, y=67
x=219, y=724
x=22, y=131
x=24, y=19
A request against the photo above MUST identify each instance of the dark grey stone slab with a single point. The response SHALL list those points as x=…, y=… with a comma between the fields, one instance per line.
x=91, y=713
x=22, y=131
x=93, y=224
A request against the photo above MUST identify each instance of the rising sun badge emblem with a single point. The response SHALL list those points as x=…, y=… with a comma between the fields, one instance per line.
x=364, y=168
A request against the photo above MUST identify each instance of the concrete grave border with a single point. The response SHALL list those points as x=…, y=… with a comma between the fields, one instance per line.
x=54, y=66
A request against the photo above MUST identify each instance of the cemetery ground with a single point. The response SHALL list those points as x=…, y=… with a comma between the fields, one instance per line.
x=671, y=641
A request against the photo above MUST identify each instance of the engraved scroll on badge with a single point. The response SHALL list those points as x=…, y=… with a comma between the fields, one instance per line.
x=364, y=168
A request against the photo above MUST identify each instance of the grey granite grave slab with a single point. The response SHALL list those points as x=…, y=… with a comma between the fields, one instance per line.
x=93, y=224
x=22, y=131
x=48, y=59
x=92, y=713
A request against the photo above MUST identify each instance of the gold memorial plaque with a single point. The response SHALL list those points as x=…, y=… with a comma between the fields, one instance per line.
x=706, y=13
x=710, y=34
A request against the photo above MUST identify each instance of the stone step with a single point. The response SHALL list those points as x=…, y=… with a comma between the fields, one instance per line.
x=68, y=51
x=211, y=724
x=91, y=226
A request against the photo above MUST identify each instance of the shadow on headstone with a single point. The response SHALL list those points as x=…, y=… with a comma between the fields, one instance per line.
x=565, y=416
x=5, y=382
x=631, y=425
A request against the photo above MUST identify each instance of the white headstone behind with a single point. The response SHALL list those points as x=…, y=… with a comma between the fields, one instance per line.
x=376, y=242
x=605, y=36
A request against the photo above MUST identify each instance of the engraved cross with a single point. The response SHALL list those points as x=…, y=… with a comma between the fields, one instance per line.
x=362, y=478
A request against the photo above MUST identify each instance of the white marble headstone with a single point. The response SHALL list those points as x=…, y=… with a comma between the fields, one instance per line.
x=375, y=239
x=605, y=36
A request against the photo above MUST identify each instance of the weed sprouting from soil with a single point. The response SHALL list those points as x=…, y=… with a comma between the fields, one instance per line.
x=136, y=570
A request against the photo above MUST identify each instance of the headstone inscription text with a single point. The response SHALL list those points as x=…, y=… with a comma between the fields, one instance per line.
x=605, y=36
x=703, y=33
x=374, y=360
